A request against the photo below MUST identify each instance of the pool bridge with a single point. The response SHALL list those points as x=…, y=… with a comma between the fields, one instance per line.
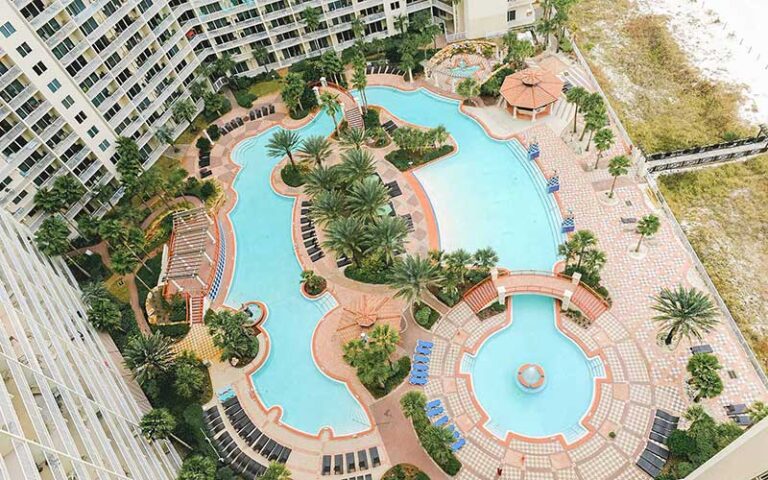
x=569, y=290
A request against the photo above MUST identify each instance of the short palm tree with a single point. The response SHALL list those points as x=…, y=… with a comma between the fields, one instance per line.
x=366, y=199
x=683, y=313
x=157, y=423
x=353, y=138
x=413, y=403
x=757, y=411
x=412, y=276
x=485, y=258
x=579, y=243
x=52, y=237
x=468, y=89
x=93, y=291
x=344, y=236
x=387, y=236
x=328, y=206
x=330, y=103
x=576, y=96
x=104, y=315
x=617, y=167
x=283, y=142
x=439, y=135
x=356, y=165
x=647, y=227
x=317, y=148
x=604, y=140
x=148, y=357
x=456, y=262
x=276, y=471
x=384, y=338
x=321, y=179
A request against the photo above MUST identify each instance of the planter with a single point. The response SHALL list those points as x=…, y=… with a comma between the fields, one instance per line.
x=316, y=294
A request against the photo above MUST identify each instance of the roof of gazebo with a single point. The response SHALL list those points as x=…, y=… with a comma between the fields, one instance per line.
x=531, y=88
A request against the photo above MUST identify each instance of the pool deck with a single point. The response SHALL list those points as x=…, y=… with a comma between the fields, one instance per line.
x=641, y=375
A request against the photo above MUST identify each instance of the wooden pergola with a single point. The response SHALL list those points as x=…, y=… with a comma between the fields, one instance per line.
x=190, y=241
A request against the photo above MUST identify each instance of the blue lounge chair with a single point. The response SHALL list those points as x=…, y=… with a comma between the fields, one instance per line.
x=419, y=367
x=458, y=444
x=418, y=380
x=420, y=359
x=441, y=421
x=424, y=343
x=434, y=403
x=422, y=350
x=433, y=412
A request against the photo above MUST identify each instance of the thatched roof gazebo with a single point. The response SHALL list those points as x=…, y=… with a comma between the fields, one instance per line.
x=530, y=93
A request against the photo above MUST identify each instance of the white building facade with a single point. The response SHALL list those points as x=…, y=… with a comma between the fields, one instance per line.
x=65, y=410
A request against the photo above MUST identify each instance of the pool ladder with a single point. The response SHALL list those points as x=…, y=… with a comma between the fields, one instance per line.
x=574, y=432
x=596, y=367
x=468, y=364
x=326, y=303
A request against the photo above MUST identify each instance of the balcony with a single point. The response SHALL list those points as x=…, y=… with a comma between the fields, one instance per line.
x=42, y=108
x=11, y=135
x=50, y=11
x=79, y=48
x=22, y=97
x=9, y=76
x=52, y=129
x=65, y=143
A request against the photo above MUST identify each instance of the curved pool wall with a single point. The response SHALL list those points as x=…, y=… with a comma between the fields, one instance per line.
x=266, y=269
x=533, y=337
x=488, y=193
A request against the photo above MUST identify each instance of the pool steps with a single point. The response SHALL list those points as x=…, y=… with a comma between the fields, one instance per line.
x=596, y=367
x=325, y=304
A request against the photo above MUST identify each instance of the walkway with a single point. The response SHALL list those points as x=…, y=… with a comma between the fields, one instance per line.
x=551, y=285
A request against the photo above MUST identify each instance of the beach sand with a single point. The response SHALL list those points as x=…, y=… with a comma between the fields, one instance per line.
x=727, y=40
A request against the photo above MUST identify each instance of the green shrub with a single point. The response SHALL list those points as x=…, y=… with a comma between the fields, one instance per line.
x=493, y=309
x=491, y=86
x=292, y=175
x=372, y=269
x=92, y=264
x=207, y=190
x=244, y=98
x=213, y=132
x=175, y=331
x=211, y=116
x=681, y=444
x=405, y=161
x=371, y=119
x=425, y=315
x=203, y=144
x=401, y=368
x=177, y=309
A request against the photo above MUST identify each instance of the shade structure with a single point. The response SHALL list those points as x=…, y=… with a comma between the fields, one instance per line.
x=531, y=89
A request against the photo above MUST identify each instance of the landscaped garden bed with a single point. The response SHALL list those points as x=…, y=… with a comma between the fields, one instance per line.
x=425, y=315
x=404, y=471
x=435, y=440
x=417, y=147
x=491, y=310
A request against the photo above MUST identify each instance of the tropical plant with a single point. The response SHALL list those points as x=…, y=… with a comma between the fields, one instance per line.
x=283, y=142
x=356, y=165
x=344, y=236
x=401, y=23
x=617, y=167
x=757, y=411
x=407, y=48
x=276, y=471
x=703, y=368
x=360, y=79
x=321, y=179
x=439, y=135
x=327, y=206
x=104, y=315
x=386, y=236
x=197, y=467
x=353, y=138
x=358, y=28
x=371, y=358
x=124, y=262
x=317, y=148
x=52, y=237
x=164, y=134
x=148, y=357
x=413, y=403
x=413, y=276
x=576, y=96
x=293, y=90
x=311, y=17
x=604, y=140
x=683, y=313
x=647, y=227
x=485, y=258
x=92, y=291
x=366, y=199
x=331, y=65
x=214, y=103
x=330, y=103
x=184, y=110
x=437, y=441
x=189, y=377
x=313, y=283
x=456, y=264
x=229, y=333
x=517, y=50
x=261, y=55
x=468, y=89
x=157, y=423
x=579, y=243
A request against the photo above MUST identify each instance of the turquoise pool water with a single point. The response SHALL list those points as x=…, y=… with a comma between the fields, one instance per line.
x=266, y=269
x=464, y=72
x=533, y=337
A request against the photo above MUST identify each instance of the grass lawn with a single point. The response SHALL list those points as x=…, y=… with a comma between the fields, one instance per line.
x=665, y=102
x=722, y=211
x=116, y=286
x=265, y=88
x=199, y=123
x=149, y=277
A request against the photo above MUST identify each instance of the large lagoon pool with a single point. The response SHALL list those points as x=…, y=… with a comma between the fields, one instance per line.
x=486, y=194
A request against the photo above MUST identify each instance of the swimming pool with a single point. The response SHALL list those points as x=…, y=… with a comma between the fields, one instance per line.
x=266, y=269
x=464, y=72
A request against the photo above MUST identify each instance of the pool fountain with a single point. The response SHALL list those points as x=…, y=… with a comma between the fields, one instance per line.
x=530, y=377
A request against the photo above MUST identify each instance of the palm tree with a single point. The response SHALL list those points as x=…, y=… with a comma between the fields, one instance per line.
x=439, y=135
x=164, y=134
x=93, y=291
x=356, y=165
x=148, y=357
x=757, y=411
x=330, y=103
x=485, y=258
x=328, y=206
x=457, y=261
x=157, y=423
x=52, y=238
x=197, y=467
x=579, y=243
x=358, y=27
x=576, y=96
x=184, y=110
x=353, y=138
x=276, y=471
x=705, y=379
x=311, y=17
x=283, y=142
x=413, y=403
x=366, y=199
x=647, y=227
x=261, y=55
x=604, y=140
x=345, y=237
x=683, y=313
x=359, y=78
x=104, y=315
x=468, y=89
x=124, y=262
x=413, y=276
x=317, y=148
x=401, y=23
x=387, y=235
x=437, y=441
x=321, y=179
x=617, y=167
x=384, y=338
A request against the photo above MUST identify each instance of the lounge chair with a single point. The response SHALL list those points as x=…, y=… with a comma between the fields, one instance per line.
x=305, y=220
x=338, y=467
x=661, y=439
x=362, y=460
x=648, y=467
x=455, y=446
x=343, y=262
x=310, y=242
x=425, y=343
x=368, y=477
x=271, y=444
x=422, y=350
x=205, y=173
x=263, y=440
x=313, y=250
x=421, y=359
x=306, y=203
x=253, y=436
x=257, y=113
x=308, y=235
x=305, y=211
x=284, y=455
x=204, y=163
x=375, y=459
x=666, y=416
x=701, y=349
x=441, y=421
x=419, y=367
x=657, y=450
x=434, y=403
x=433, y=412
x=737, y=409
x=418, y=380
x=653, y=459
x=317, y=256
x=742, y=420
x=306, y=228
x=271, y=109
x=351, y=467
x=275, y=453
x=326, y=470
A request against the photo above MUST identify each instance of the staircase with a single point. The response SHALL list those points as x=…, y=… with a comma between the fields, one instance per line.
x=354, y=118
x=590, y=304
x=480, y=296
x=195, y=308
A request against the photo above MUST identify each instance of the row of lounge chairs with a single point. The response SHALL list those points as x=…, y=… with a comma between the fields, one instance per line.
x=261, y=111
x=420, y=364
x=383, y=69
x=309, y=235
x=231, y=125
x=655, y=455
x=204, y=162
x=394, y=189
x=389, y=126
x=739, y=413
x=434, y=409
x=227, y=447
x=345, y=463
